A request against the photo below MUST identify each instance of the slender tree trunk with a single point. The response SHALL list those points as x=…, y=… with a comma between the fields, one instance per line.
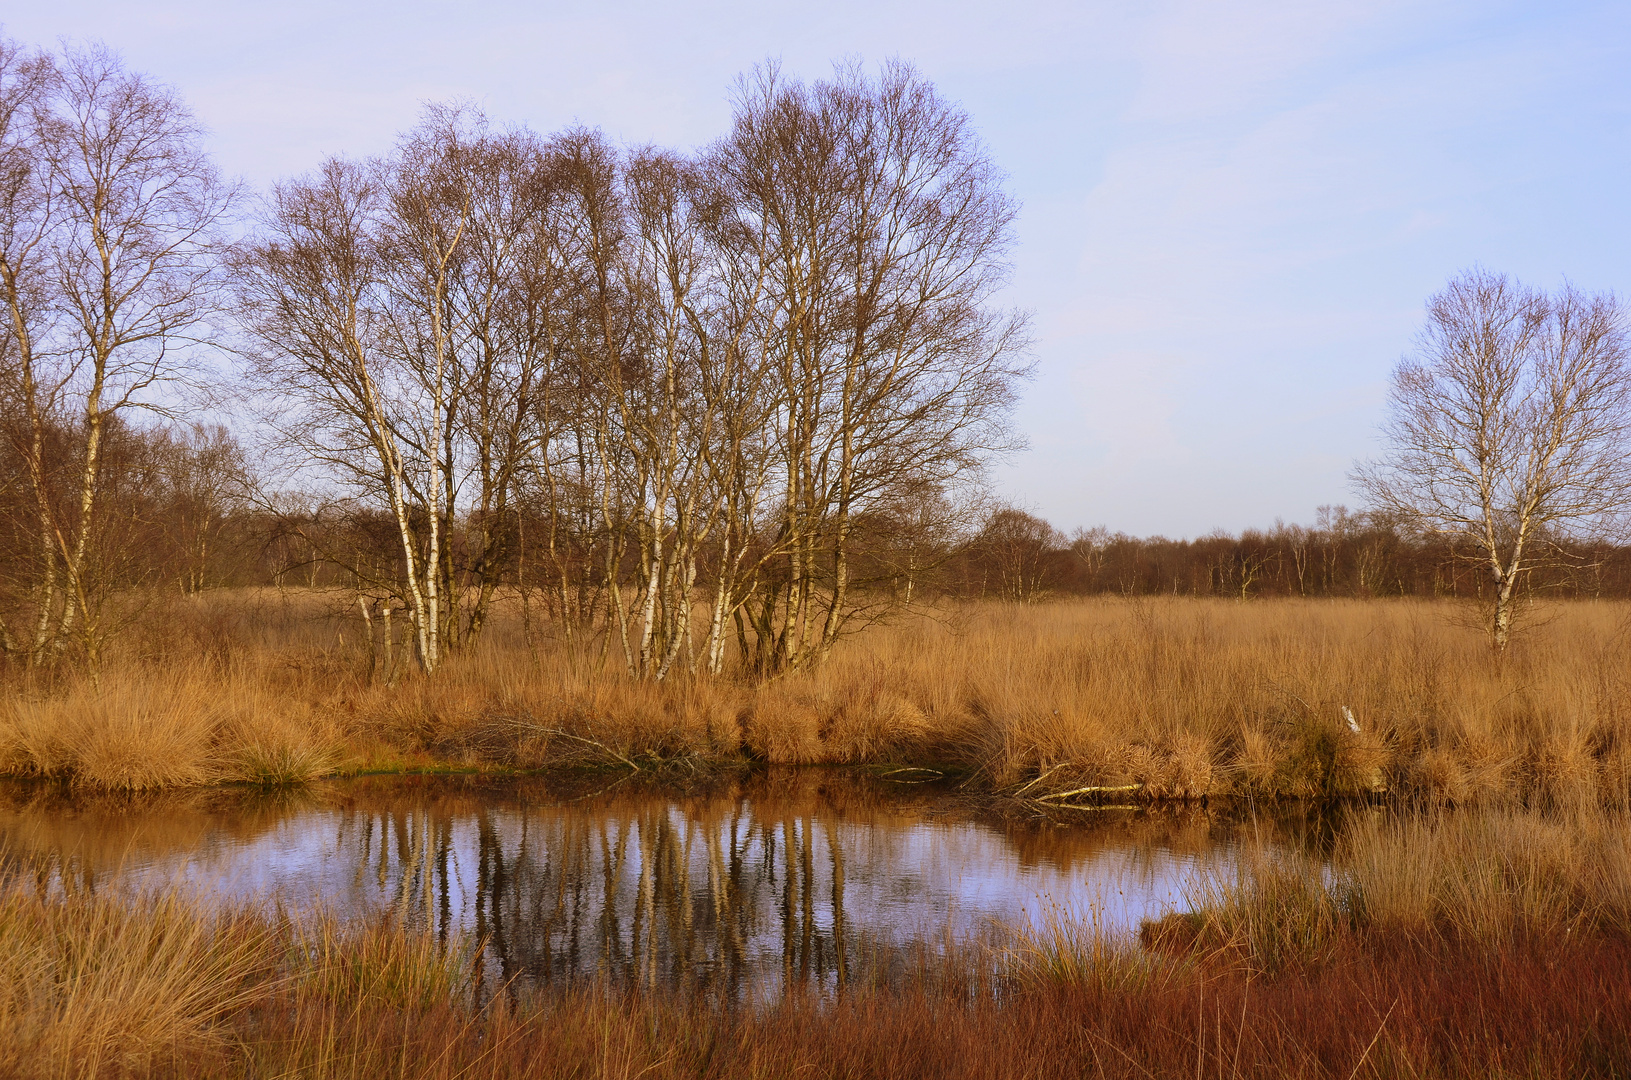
x=368, y=631
x=390, y=645
x=714, y=649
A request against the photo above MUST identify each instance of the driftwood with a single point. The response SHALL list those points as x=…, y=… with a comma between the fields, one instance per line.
x=1086, y=791
x=596, y=744
x=934, y=774
x=1093, y=806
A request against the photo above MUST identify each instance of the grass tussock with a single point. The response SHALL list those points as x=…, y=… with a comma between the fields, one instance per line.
x=117, y=986
x=1076, y=950
x=1155, y=698
x=1488, y=880
x=379, y=963
x=139, y=729
x=162, y=983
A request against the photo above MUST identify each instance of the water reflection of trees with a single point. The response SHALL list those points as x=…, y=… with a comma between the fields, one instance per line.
x=647, y=892
x=769, y=881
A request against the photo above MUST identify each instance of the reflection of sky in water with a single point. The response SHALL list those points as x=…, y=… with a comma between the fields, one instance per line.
x=929, y=874
x=647, y=889
x=918, y=877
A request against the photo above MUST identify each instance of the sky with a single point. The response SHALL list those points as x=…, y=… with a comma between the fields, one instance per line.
x=1233, y=213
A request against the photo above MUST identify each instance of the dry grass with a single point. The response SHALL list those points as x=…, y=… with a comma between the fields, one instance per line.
x=93, y=986
x=1491, y=876
x=1077, y=950
x=1180, y=698
x=114, y=985
x=163, y=983
x=1485, y=880
x=141, y=729
x=1192, y=697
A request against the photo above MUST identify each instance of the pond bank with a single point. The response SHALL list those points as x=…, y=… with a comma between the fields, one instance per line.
x=1167, y=698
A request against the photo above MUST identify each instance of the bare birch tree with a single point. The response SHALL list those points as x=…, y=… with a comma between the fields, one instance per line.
x=26, y=335
x=702, y=378
x=1507, y=428
x=406, y=307
x=109, y=276
x=503, y=299
x=314, y=294
x=885, y=234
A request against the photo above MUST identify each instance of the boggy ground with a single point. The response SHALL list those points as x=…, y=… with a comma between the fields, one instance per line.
x=1165, y=698
x=1451, y=944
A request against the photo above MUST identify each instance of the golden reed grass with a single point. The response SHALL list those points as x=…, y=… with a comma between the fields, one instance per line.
x=93, y=986
x=143, y=983
x=1182, y=698
x=1484, y=879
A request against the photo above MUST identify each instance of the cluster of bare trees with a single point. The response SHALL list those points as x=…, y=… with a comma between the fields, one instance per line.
x=685, y=405
x=108, y=219
x=673, y=397
x=697, y=378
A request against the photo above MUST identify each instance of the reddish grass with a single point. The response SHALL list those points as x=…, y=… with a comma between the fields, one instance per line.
x=1539, y=1010
x=111, y=985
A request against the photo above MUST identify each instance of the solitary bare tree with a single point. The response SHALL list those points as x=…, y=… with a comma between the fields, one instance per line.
x=1507, y=428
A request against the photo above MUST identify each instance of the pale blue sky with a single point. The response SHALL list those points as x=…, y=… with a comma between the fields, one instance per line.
x=1233, y=212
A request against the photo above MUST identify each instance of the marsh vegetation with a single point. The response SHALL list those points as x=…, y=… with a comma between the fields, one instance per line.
x=1165, y=698
x=660, y=473
x=1453, y=943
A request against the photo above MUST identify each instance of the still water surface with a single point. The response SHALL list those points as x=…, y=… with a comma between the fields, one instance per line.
x=752, y=884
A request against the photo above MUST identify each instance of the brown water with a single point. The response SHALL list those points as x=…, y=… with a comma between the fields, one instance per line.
x=757, y=883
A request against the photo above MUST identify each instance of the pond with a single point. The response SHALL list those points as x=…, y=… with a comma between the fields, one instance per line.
x=752, y=884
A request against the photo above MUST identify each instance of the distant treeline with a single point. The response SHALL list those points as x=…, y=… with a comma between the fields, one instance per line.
x=1021, y=557
x=179, y=497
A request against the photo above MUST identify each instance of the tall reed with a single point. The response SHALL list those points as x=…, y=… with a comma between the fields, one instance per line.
x=1481, y=879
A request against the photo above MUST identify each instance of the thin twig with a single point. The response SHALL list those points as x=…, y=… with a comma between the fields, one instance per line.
x=1373, y=1039
x=1039, y=779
